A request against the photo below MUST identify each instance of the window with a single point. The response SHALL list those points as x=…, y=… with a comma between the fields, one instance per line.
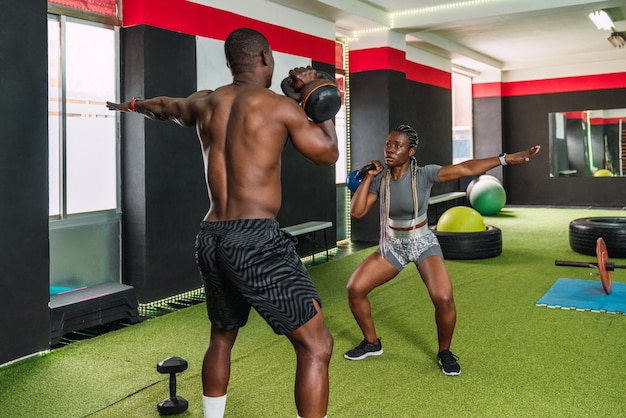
x=462, y=139
x=85, y=226
x=82, y=132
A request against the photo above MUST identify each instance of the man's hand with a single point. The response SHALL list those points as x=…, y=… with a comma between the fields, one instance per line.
x=122, y=107
x=301, y=76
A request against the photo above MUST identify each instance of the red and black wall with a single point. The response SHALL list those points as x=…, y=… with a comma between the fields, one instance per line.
x=523, y=108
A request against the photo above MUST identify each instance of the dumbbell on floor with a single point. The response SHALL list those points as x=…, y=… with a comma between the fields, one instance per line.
x=174, y=404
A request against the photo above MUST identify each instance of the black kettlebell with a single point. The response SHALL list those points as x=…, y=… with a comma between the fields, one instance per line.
x=320, y=104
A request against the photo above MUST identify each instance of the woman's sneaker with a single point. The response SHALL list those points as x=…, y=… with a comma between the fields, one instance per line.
x=364, y=349
x=448, y=362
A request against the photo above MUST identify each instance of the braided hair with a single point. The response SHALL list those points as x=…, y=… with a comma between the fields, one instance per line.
x=411, y=134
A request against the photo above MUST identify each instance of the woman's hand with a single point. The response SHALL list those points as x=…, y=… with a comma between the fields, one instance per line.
x=522, y=156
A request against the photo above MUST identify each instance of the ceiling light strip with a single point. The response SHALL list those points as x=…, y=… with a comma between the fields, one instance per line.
x=438, y=7
x=357, y=33
x=601, y=20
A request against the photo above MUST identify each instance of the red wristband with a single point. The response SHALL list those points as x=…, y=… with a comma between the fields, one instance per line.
x=131, y=106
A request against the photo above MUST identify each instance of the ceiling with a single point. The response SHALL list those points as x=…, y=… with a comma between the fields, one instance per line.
x=483, y=35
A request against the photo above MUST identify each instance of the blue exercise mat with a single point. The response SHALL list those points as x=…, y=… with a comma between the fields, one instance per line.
x=585, y=295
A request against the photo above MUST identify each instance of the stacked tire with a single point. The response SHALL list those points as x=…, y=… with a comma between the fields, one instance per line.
x=584, y=232
x=470, y=245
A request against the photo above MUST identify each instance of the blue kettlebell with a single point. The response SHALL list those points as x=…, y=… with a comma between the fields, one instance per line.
x=355, y=177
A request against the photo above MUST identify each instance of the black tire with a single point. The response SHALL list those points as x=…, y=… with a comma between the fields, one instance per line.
x=470, y=245
x=584, y=232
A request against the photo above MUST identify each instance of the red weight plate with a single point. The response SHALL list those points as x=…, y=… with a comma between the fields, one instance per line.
x=603, y=257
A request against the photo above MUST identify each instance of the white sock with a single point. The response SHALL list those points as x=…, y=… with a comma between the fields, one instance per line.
x=214, y=407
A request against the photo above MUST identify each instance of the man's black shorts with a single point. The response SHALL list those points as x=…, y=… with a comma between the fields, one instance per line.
x=252, y=263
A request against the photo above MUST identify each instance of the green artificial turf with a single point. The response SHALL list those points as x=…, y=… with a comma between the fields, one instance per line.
x=518, y=359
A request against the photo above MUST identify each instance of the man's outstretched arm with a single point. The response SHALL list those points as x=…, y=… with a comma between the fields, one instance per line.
x=181, y=110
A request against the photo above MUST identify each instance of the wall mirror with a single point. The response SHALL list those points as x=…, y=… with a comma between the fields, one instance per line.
x=588, y=143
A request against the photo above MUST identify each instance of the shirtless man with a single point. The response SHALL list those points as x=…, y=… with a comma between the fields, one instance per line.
x=245, y=259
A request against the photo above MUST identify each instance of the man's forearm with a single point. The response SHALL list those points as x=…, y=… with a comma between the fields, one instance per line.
x=157, y=108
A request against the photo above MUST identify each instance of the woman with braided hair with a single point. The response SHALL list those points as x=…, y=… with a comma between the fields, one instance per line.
x=404, y=189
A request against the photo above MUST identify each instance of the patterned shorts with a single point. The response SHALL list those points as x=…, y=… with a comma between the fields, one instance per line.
x=404, y=250
x=252, y=263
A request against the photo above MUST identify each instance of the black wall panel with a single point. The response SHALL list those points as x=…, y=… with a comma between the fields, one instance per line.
x=24, y=260
x=164, y=194
x=526, y=123
x=430, y=113
x=370, y=112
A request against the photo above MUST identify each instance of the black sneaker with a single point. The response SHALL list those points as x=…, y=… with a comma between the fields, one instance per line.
x=448, y=363
x=364, y=349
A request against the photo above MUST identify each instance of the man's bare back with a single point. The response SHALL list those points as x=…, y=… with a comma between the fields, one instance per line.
x=242, y=148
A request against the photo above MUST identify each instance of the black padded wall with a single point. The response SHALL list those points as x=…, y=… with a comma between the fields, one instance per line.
x=430, y=113
x=164, y=194
x=24, y=260
x=380, y=101
x=526, y=123
x=308, y=190
x=370, y=100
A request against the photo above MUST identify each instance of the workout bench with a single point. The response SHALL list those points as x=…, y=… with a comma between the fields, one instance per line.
x=308, y=229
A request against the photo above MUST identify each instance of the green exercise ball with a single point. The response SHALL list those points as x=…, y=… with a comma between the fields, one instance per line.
x=603, y=173
x=470, y=186
x=461, y=219
x=487, y=197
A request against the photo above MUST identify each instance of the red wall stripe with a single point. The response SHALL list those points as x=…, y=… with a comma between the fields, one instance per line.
x=386, y=58
x=584, y=116
x=480, y=90
x=373, y=59
x=576, y=115
x=429, y=75
x=553, y=85
x=199, y=20
x=606, y=121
